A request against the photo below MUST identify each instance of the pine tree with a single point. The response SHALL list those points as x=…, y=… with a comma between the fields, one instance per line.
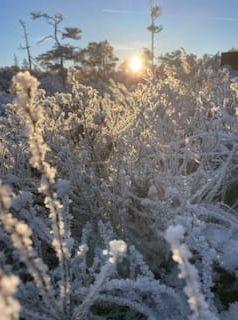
x=61, y=52
x=98, y=62
x=155, y=13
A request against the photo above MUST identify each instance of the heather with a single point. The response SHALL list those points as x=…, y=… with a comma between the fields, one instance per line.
x=121, y=204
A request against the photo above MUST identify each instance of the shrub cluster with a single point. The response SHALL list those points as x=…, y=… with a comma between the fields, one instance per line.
x=96, y=188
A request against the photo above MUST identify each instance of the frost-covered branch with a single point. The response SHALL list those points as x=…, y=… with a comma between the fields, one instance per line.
x=181, y=255
x=26, y=88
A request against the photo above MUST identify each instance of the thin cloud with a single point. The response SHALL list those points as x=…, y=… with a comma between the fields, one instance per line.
x=121, y=47
x=119, y=11
x=228, y=19
x=135, y=46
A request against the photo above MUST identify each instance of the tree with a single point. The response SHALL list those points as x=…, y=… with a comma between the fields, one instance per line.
x=155, y=13
x=98, y=62
x=26, y=46
x=55, y=58
x=15, y=61
x=147, y=58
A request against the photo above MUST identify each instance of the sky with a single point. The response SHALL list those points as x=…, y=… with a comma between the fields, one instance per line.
x=199, y=26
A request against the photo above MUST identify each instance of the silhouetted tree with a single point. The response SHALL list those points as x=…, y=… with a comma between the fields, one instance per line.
x=55, y=58
x=98, y=63
x=155, y=13
x=26, y=45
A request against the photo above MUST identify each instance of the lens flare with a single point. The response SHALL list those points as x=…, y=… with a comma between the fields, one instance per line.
x=136, y=64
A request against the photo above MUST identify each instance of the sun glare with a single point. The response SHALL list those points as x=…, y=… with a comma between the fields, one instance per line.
x=136, y=64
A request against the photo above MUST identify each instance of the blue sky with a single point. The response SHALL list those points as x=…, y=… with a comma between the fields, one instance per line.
x=200, y=26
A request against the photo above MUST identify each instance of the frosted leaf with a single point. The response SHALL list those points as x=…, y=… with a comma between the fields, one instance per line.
x=12, y=179
x=22, y=200
x=229, y=256
x=175, y=234
x=153, y=193
x=5, y=196
x=62, y=187
x=117, y=249
x=234, y=85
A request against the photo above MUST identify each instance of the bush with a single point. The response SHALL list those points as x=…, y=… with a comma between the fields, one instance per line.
x=85, y=169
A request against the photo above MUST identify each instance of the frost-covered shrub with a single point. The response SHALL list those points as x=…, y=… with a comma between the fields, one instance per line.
x=6, y=75
x=181, y=255
x=74, y=276
x=10, y=307
x=5, y=98
x=164, y=153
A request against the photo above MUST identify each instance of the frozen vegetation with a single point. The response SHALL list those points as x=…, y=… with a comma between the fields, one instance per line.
x=121, y=205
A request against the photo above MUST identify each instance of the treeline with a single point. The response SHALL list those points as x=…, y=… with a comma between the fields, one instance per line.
x=97, y=62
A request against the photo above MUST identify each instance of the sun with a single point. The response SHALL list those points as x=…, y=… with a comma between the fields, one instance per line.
x=136, y=64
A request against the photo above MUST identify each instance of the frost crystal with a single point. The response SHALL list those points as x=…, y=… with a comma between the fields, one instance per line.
x=117, y=248
x=9, y=306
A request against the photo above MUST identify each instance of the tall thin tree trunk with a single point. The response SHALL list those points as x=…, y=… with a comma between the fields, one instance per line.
x=62, y=71
x=61, y=55
x=27, y=45
x=152, y=48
